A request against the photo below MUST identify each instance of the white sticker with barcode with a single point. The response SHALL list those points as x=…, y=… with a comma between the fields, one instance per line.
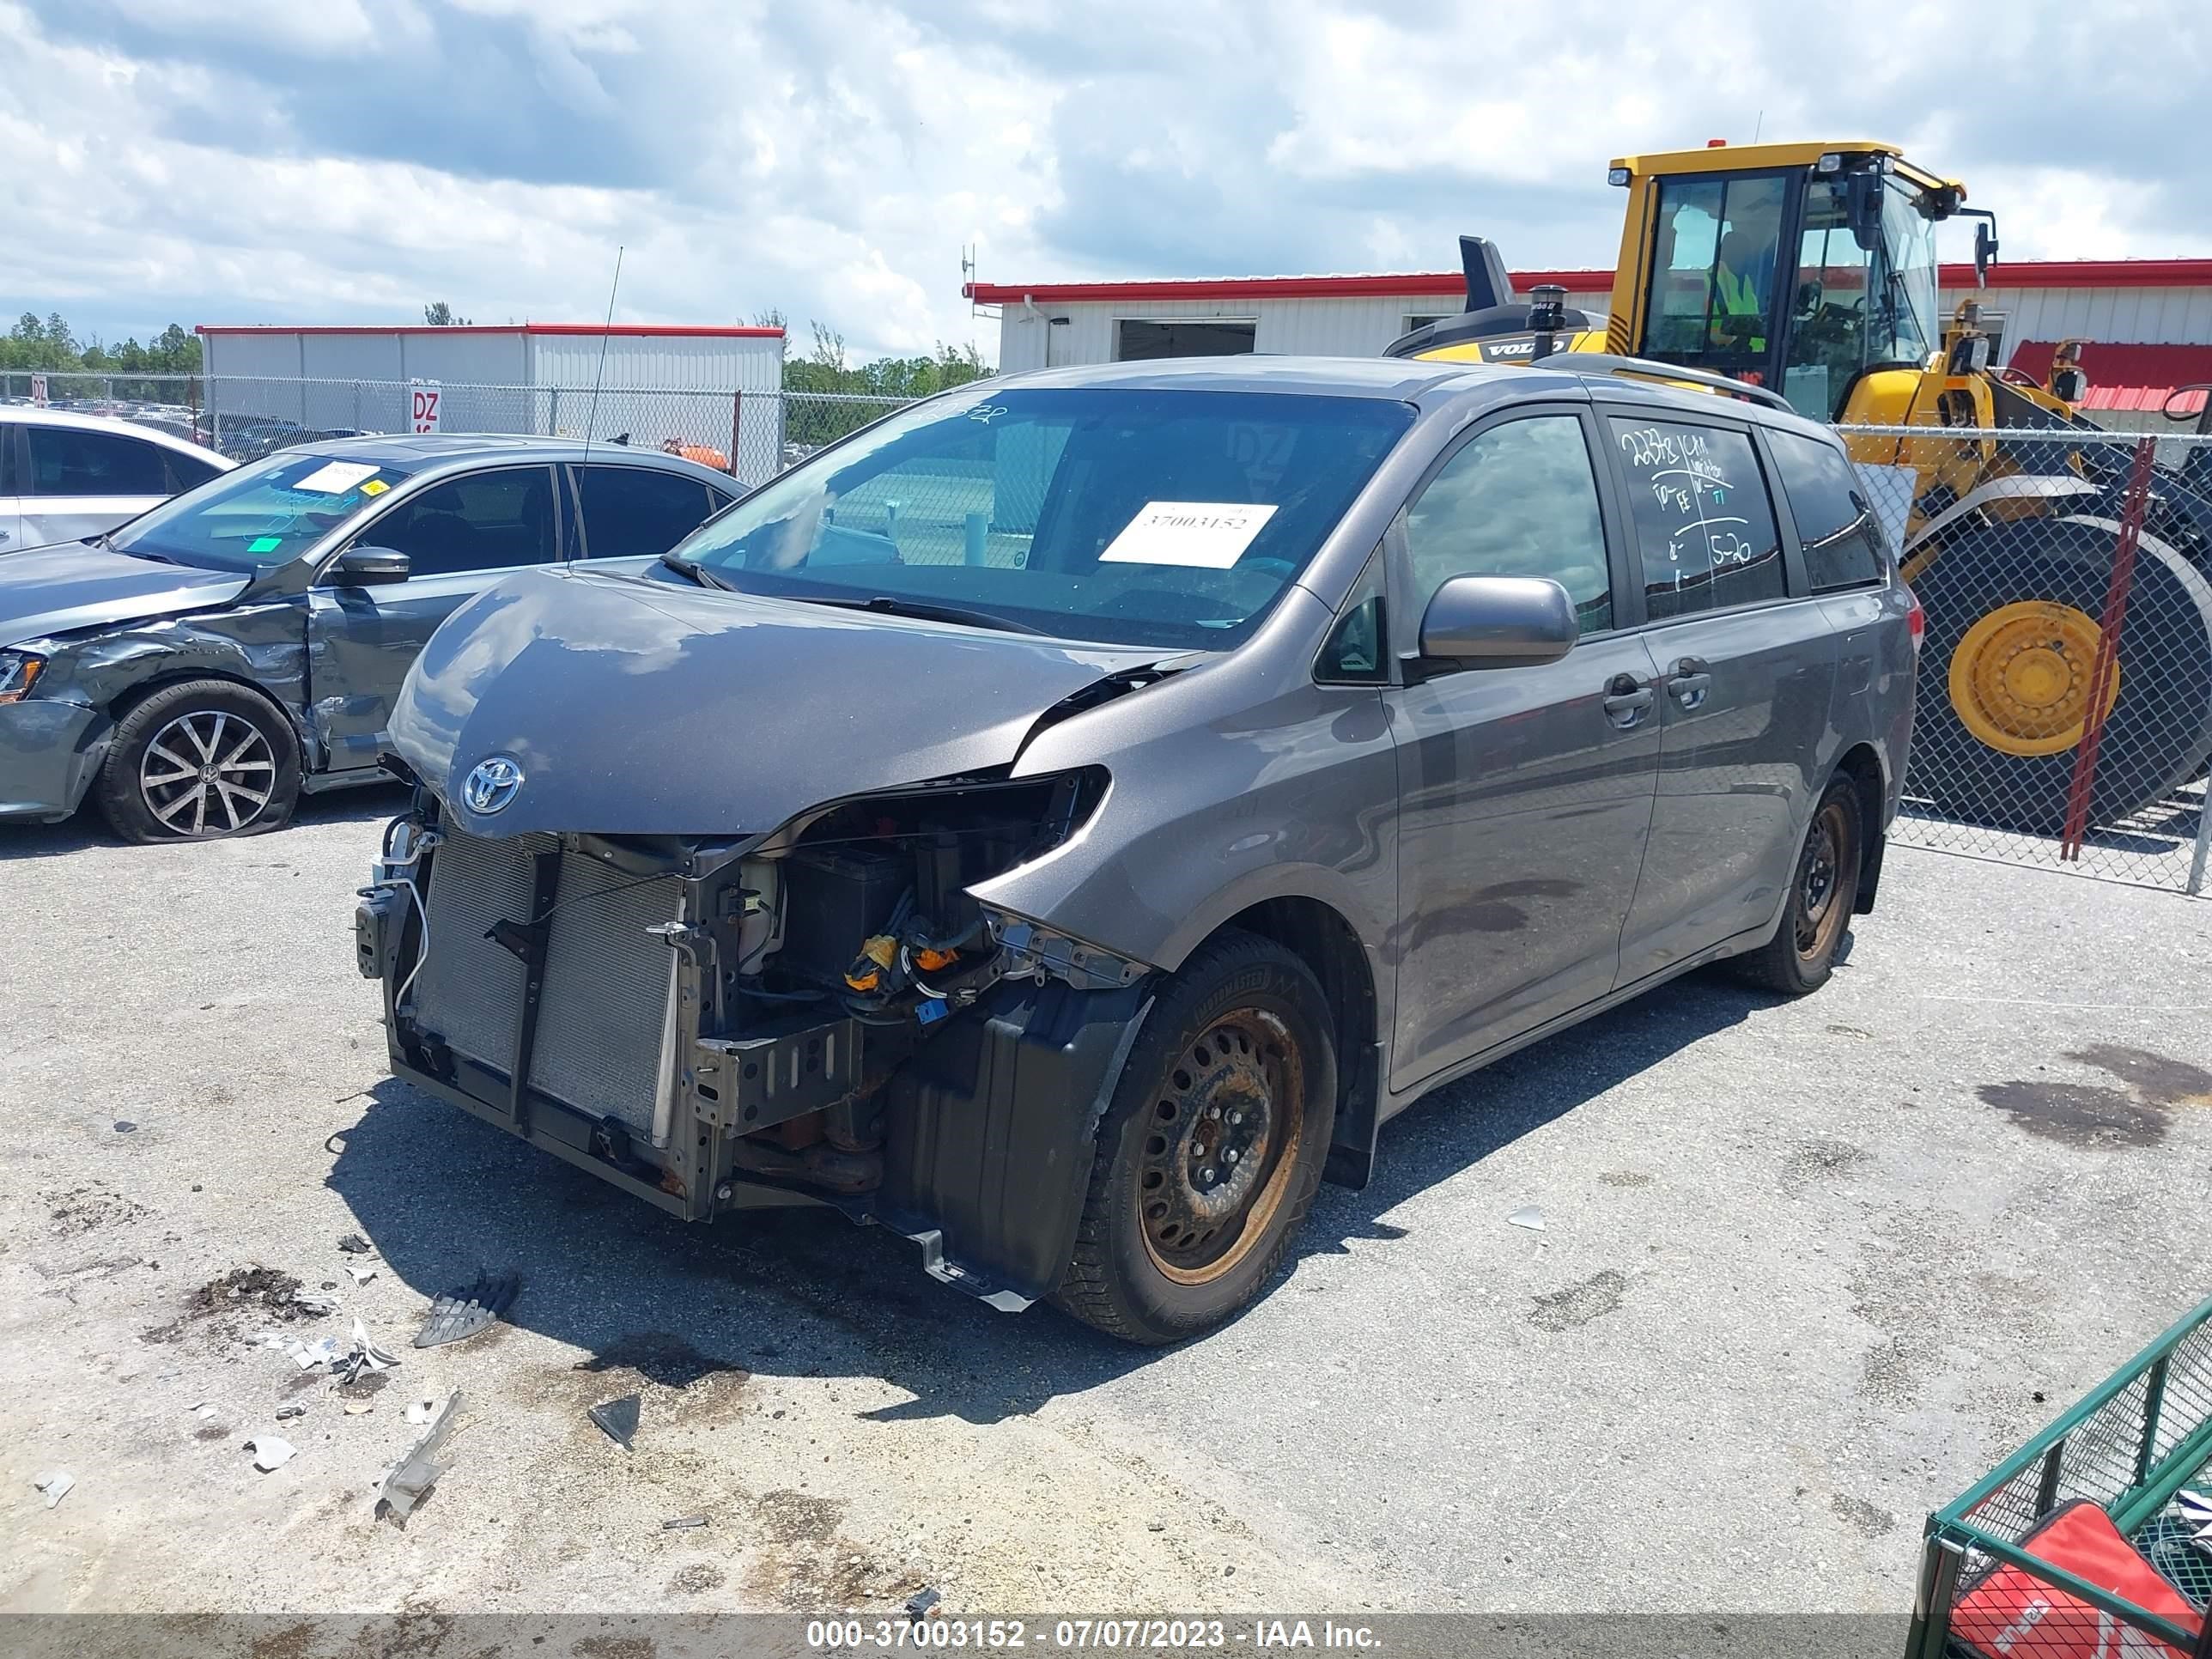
x=1205, y=535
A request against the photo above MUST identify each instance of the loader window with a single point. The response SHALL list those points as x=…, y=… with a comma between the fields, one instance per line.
x=1713, y=270
x=1855, y=306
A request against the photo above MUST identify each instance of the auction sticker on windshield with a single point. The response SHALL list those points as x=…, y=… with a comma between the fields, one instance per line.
x=336, y=477
x=1206, y=535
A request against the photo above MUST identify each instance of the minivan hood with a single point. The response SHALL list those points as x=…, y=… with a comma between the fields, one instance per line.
x=635, y=706
x=74, y=585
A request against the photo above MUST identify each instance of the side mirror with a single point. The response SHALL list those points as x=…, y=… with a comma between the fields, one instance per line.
x=369, y=566
x=1500, y=622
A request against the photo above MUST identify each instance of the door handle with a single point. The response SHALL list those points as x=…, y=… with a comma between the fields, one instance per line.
x=1688, y=682
x=1625, y=701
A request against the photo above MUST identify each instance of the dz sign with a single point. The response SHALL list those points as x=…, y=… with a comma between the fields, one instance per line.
x=427, y=395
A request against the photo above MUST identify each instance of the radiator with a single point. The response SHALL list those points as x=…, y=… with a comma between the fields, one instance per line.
x=604, y=1008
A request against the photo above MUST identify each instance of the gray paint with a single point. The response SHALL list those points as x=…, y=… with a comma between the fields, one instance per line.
x=637, y=706
x=1486, y=834
x=111, y=626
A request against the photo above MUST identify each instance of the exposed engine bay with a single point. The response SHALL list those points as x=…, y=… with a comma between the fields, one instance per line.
x=822, y=1014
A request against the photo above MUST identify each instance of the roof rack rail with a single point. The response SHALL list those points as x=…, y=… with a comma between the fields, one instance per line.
x=1645, y=367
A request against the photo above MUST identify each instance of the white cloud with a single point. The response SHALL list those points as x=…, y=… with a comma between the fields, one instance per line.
x=261, y=160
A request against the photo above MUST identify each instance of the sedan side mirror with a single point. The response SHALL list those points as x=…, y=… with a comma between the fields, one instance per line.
x=369, y=566
x=1500, y=622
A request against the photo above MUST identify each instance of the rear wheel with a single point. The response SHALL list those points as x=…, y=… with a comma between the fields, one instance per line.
x=2005, y=676
x=194, y=761
x=1823, y=890
x=1213, y=1149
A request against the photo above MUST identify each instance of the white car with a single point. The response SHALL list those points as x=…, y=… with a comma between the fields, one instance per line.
x=64, y=477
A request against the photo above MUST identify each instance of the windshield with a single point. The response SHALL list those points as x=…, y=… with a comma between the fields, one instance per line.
x=1854, y=306
x=1120, y=514
x=261, y=515
x=1905, y=329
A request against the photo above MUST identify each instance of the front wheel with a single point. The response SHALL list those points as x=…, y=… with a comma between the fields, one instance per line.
x=197, y=761
x=1213, y=1149
x=1823, y=890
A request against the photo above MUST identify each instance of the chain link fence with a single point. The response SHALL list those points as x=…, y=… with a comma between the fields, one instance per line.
x=2065, y=695
x=751, y=436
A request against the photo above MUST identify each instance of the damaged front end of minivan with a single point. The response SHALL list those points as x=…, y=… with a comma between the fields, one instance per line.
x=820, y=1012
x=825, y=1013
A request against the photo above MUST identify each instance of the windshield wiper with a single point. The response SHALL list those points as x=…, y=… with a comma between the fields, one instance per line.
x=698, y=572
x=885, y=604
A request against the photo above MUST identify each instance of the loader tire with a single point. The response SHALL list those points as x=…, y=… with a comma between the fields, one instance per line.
x=2012, y=613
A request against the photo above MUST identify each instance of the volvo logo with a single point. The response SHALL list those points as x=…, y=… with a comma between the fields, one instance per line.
x=491, y=785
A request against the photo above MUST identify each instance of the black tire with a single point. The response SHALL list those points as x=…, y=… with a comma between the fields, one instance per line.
x=1824, y=888
x=198, y=760
x=2160, y=730
x=1242, y=1028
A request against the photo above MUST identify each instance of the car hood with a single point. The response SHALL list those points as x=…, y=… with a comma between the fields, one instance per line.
x=72, y=585
x=635, y=706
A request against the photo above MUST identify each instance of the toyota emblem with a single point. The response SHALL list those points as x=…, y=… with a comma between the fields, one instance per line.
x=491, y=785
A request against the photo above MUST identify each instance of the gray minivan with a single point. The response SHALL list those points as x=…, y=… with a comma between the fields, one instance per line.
x=1063, y=821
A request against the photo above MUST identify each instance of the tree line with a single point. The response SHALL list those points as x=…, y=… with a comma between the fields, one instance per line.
x=826, y=367
x=49, y=346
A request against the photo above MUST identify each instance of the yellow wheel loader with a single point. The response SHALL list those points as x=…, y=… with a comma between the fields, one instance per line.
x=1808, y=272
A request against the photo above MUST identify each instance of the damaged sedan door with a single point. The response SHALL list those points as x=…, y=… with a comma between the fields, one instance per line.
x=402, y=573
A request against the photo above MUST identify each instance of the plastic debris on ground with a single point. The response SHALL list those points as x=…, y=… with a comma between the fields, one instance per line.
x=55, y=1485
x=271, y=1451
x=463, y=1313
x=406, y=1481
x=421, y=1411
x=359, y=1407
x=354, y=1244
x=1530, y=1216
x=360, y=1275
x=683, y=1523
x=306, y=1355
x=618, y=1418
x=365, y=1356
x=919, y=1604
x=315, y=1302
x=204, y=1412
x=283, y=1412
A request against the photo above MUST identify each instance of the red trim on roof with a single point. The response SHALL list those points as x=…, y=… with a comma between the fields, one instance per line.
x=2027, y=273
x=1275, y=288
x=648, y=329
x=2126, y=375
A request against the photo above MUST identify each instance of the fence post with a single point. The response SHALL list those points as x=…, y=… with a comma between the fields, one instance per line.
x=2203, y=850
x=2132, y=510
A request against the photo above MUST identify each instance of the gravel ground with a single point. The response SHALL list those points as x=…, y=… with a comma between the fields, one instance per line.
x=1807, y=1268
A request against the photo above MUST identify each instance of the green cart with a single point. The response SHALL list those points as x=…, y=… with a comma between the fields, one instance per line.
x=2123, y=1468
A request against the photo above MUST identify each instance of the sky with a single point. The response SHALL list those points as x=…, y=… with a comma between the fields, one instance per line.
x=349, y=160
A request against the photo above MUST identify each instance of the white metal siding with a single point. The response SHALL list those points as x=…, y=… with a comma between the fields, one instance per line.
x=701, y=371
x=251, y=354
x=1362, y=325
x=1323, y=326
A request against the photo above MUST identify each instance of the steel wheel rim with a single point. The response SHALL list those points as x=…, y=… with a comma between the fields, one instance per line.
x=1830, y=859
x=2019, y=678
x=207, y=772
x=1221, y=1142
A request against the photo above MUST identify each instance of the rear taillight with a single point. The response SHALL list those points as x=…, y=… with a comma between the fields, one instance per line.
x=1916, y=620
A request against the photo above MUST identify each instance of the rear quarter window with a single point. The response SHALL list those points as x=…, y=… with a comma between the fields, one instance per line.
x=1704, y=526
x=1842, y=540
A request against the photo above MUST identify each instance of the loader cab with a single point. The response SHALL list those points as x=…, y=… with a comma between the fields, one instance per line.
x=1784, y=265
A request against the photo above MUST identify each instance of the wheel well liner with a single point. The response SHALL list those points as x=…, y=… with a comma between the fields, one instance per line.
x=1862, y=764
x=1322, y=939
